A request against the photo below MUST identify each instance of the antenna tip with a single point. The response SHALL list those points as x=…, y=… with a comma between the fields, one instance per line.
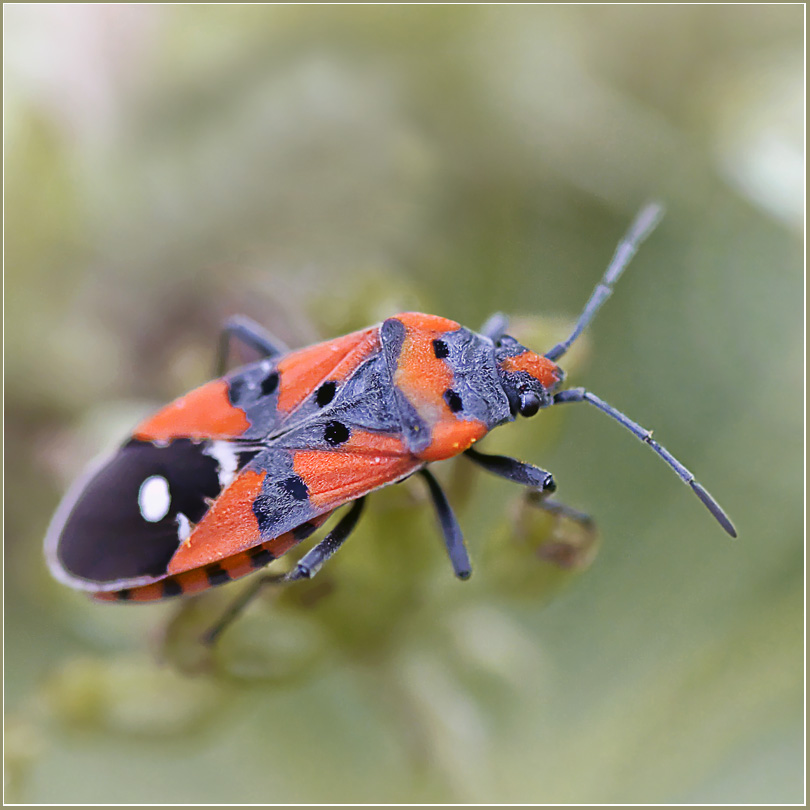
x=648, y=218
x=711, y=504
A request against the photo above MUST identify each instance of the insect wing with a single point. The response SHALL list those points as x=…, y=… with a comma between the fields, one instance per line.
x=121, y=523
x=285, y=488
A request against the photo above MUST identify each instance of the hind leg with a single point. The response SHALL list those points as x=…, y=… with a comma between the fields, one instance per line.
x=307, y=567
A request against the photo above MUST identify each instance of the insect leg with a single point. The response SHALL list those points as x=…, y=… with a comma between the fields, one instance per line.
x=252, y=334
x=238, y=605
x=311, y=562
x=453, y=538
x=540, y=501
x=581, y=395
x=306, y=568
x=495, y=326
x=514, y=470
x=642, y=227
x=541, y=482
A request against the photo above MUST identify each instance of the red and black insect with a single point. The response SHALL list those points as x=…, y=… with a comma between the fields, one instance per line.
x=231, y=476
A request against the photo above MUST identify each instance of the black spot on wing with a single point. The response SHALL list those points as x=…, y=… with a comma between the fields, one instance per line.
x=269, y=384
x=259, y=557
x=106, y=538
x=216, y=575
x=296, y=487
x=304, y=530
x=325, y=393
x=236, y=390
x=171, y=587
x=440, y=349
x=336, y=433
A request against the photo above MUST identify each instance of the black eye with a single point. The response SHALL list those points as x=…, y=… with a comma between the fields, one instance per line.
x=529, y=403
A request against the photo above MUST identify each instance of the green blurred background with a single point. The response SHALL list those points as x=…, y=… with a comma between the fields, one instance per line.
x=319, y=168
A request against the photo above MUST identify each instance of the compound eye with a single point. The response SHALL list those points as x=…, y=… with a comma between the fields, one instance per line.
x=529, y=403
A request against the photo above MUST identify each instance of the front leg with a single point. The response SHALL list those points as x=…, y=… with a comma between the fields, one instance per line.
x=541, y=482
x=517, y=471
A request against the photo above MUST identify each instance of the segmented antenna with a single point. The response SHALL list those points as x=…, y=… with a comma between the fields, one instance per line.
x=642, y=227
x=581, y=395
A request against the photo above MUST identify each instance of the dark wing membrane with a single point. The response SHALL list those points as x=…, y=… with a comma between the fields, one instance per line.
x=123, y=522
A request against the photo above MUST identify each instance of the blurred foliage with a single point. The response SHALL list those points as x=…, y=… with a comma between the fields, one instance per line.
x=319, y=168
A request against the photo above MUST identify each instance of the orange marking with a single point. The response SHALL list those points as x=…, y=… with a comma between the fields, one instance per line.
x=364, y=442
x=148, y=593
x=229, y=526
x=543, y=370
x=367, y=461
x=449, y=438
x=423, y=377
x=204, y=413
x=237, y=566
x=279, y=546
x=427, y=323
x=302, y=371
x=194, y=581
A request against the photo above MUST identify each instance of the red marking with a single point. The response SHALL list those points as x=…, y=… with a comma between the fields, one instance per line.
x=280, y=545
x=205, y=413
x=420, y=375
x=543, y=370
x=229, y=526
x=189, y=582
x=364, y=442
x=365, y=462
x=365, y=348
x=428, y=323
x=303, y=370
x=451, y=437
x=106, y=596
x=424, y=379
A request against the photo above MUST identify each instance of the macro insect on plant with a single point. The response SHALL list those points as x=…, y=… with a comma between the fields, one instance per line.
x=233, y=475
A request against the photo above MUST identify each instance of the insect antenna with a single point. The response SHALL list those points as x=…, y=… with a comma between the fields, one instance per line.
x=581, y=395
x=642, y=227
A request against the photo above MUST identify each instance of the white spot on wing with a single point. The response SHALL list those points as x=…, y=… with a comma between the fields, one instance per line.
x=154, y=498
x=183, y=527
x=227, y=459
